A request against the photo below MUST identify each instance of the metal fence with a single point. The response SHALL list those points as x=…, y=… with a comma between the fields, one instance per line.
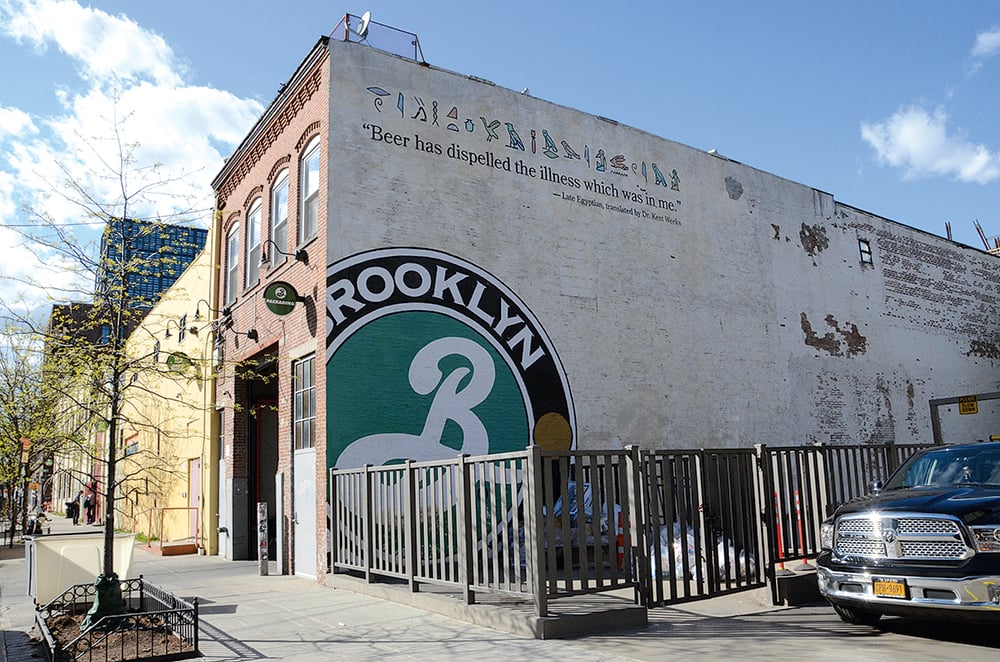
x=154, y=624
x=670, y=525
x=533, y=524
x=806, y=484
x=703, y=521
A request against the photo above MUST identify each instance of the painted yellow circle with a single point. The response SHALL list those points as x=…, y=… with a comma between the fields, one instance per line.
x=553, y=433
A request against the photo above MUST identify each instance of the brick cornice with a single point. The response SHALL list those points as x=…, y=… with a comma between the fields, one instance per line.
x=256, y=151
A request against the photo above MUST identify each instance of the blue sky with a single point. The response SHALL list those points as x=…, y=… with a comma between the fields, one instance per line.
x=889, y=106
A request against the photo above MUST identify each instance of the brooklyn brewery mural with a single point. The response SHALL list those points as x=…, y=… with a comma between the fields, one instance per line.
x=429, y=356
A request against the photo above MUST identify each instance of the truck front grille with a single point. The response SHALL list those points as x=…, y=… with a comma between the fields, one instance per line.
x=875, y=537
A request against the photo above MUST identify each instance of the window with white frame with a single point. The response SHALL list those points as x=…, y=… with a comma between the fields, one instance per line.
x=309, y=191
x=304, y=403
x=253, y=244
x=232, y=264
x=279, y=218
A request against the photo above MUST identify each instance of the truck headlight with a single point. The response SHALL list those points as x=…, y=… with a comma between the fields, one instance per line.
x=826, y=535
x=986, y=538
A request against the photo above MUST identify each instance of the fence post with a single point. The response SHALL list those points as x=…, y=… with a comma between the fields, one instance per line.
x=367, y=526
x=465, y=530
x=638, y=525
x=332, y=533
x=766, y=466
x=764, y=493
x=195, y=603
x=142, y=594
x=535, y=532
x=410, y=525
x=824, y=488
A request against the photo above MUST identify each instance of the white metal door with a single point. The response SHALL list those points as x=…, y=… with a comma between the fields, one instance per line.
x=194, y=498
x=225, y=513
x=304, y=512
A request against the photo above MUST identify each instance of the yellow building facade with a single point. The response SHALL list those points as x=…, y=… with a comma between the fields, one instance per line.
x=167, y=450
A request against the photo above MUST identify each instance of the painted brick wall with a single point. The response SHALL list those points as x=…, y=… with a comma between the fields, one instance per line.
x=725, y=307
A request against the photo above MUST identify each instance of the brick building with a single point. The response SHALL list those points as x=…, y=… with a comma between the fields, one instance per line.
x=418, y=263
x=272, y=222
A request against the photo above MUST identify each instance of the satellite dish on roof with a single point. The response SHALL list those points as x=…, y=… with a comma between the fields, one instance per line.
x=363, y=26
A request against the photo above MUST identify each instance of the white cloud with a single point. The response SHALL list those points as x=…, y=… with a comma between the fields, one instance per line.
x=987, y=44
x=919, y=142
x=131, y=88
x=15, y=122
x=104, y=46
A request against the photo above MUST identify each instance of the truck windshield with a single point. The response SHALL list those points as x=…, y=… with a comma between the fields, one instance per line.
x=949, y=467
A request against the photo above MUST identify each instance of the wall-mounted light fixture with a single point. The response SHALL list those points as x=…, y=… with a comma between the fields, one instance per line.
x=166, y=331
x=300, y=254
x=197, y=309
x=251, y=334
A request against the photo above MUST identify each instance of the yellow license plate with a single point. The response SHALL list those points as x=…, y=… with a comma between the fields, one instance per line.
x=889, y=588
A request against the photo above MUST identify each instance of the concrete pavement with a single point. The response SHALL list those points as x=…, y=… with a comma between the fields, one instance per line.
x=248, y=617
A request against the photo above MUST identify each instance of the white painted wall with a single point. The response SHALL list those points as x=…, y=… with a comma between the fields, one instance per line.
x=683, y=331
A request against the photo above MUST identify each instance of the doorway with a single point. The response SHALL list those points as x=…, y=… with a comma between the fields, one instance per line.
x=305, y=512
x=194, y=498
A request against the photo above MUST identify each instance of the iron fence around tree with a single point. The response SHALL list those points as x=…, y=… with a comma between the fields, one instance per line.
x=670, y=525
x=154, y=624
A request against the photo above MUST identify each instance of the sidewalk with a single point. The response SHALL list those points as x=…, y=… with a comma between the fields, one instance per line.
x=248, y=617
x=245, y=616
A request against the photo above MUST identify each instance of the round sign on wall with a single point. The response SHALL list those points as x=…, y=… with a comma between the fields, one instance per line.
x=178, y=362
x=280, y=297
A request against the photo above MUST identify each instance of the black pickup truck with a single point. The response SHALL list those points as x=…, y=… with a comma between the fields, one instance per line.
x=926, y=544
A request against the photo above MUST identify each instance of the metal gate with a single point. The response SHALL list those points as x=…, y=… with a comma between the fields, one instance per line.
x=703, y=523
x=804, y=485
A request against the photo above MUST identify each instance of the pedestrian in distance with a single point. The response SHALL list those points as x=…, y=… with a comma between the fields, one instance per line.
x=75, y=507
x=89, y=504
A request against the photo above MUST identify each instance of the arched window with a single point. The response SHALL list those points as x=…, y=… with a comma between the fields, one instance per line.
x=309, y=191
x=232, y=263
x=279, y=218
x=253, y=243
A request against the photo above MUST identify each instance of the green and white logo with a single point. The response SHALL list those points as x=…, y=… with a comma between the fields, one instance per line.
x=280, y=297
x=429, y=356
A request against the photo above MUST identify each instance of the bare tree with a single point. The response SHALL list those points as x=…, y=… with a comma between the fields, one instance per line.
x=87, y=367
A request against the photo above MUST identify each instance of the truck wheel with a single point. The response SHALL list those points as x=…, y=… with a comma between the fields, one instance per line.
x=856, y=616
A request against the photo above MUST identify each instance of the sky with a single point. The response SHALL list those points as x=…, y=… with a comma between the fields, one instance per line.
x=890, y=106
